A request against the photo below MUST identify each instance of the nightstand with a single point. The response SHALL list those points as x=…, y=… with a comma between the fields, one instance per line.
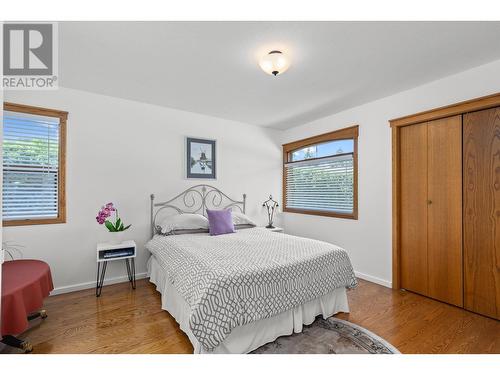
x=276, y=229
x=110, y=252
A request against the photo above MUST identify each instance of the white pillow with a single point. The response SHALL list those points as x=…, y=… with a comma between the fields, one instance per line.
x=183, y=222
x=242, y=219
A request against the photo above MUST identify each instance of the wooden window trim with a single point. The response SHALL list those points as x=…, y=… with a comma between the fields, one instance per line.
x=351, y=132
x=61, y=204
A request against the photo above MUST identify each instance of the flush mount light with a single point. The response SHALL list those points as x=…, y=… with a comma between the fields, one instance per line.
x=275, y=62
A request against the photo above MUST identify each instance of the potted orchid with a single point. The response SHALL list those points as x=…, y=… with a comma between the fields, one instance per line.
x=115, y=227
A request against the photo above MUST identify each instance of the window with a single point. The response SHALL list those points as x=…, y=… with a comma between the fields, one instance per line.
x=320, y=175
x=34, y=141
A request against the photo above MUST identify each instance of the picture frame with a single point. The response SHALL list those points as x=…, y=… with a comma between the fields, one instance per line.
x=201, y=159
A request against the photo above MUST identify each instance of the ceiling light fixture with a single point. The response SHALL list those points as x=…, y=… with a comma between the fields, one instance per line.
x=275, y=62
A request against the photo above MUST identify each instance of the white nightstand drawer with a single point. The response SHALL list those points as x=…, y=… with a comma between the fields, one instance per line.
x=124, y=250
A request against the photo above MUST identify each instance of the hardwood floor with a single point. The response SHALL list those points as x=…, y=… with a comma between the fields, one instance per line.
x=127, y=321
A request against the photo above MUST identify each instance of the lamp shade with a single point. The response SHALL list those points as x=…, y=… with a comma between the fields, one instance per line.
x=274, y=63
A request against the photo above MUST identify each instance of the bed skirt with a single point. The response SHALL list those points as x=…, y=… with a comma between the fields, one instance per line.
x=244, y=339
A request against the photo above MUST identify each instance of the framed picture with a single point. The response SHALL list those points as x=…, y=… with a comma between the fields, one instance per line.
x=200, y=158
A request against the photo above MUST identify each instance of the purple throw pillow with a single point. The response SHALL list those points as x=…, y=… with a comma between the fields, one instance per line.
x=220, y=222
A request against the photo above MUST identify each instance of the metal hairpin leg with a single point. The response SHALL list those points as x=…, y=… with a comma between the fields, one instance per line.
x=131, y=271
x=128, y=270
x=100, y=278
x=129, y=263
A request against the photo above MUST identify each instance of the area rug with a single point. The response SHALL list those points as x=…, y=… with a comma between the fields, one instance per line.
x=330, y=336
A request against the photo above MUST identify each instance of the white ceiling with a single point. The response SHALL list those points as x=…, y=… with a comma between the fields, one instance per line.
x=212, y=67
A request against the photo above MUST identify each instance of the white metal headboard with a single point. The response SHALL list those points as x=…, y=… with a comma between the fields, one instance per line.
x=195, y=200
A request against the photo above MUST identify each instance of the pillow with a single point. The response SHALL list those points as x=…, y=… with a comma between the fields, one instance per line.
x=189, y=231
x=220, y=222
x=240, y=219
x=184, y=222
x=243, y=226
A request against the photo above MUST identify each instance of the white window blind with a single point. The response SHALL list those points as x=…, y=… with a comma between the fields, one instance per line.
x=30, y=166
x=324, y=184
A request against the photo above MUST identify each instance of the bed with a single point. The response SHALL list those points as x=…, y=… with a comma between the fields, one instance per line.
x=233, y=293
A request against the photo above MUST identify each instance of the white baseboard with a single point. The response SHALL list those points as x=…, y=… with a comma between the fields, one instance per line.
x=143, y=275
x=373, y=279
x=91, y=284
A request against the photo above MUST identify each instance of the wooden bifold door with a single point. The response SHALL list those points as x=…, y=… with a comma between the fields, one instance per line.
x=431, y=209
x=446, y=204
x=481, y=162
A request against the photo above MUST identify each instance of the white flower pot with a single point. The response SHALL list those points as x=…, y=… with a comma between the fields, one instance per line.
x=116, y=238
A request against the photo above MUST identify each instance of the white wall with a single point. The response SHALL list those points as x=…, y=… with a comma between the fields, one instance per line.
x=368, y=240
x=121, y=151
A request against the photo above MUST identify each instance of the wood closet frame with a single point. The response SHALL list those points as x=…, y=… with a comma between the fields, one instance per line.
x=461, y=108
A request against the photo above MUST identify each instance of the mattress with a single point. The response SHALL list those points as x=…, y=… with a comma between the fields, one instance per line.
x=248, y=337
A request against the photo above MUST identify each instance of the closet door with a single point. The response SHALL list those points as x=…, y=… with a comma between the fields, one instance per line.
x=481, y=162
x=413, y=166
x=444, y=215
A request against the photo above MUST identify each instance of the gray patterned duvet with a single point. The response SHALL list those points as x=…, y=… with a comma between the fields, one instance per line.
x=238, y=278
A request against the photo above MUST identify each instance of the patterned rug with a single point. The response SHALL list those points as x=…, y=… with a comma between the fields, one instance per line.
x=330, y=336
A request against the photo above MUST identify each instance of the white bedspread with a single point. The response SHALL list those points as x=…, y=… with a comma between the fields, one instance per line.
x=244, y=339
x=235, y=279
